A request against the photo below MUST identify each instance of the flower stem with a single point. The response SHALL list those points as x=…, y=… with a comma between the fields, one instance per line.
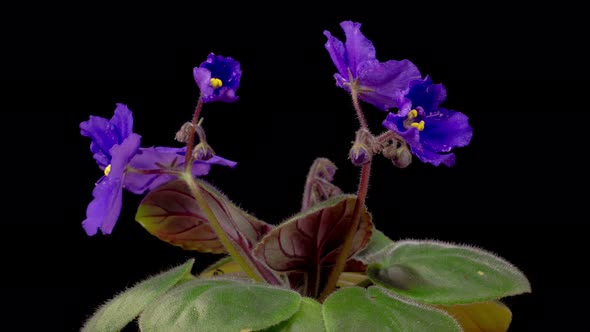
x=357, y=107
x=347, y=245
x=356, y=213
x=231, y=249
x=191, y=138
x=387, y=135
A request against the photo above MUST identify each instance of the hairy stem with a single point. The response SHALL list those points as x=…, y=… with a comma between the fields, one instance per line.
x=191, y=138
x=231, y=249
x=357, y=108
x=347, y=245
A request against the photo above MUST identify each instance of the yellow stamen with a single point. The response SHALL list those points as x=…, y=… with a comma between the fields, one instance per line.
x=215, y=83
x=412, y=114
x=480, y=273
x=418, y=125
x=107, y=170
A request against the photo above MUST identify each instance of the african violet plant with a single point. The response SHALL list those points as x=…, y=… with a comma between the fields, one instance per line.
x=327, y=268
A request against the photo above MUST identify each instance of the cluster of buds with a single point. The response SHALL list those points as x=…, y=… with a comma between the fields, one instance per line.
x=365, y=146
x=202, y=151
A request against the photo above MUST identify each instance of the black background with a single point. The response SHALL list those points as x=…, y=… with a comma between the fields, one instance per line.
x=519, y=189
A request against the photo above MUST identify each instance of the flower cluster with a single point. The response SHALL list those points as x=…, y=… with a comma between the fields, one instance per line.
x=117, y=152
x=325, y=268
x=430, y=131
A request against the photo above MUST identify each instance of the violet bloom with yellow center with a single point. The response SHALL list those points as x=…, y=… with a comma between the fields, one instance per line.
x=116, y=150
x=375, y=82
x=431, y=131
x=218, y=78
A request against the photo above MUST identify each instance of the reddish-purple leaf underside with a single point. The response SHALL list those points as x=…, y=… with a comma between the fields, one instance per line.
x=306, y=246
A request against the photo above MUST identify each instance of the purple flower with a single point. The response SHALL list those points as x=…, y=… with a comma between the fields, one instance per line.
x=116, y=150
x=430, y=131
x=105, y=208
x=168, y=158
x=218, y=78
x=376, y=82
x=106, y=133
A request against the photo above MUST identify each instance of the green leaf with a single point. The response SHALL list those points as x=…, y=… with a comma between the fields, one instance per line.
x=307, y=319
x=441, y=273
x=375, y=309
x=308, y=244
x=122, y=309
x=220, y=305
x=378, y=242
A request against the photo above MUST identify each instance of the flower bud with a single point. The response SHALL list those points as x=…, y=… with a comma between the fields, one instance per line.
x=184, y=133
x=359, y=154
x=398, y=153
x=362, y=148
x=203, y=151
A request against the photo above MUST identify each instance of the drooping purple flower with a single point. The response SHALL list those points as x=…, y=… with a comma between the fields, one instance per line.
x=116, y=150
x=218, y=78
x=169, y=158
x=377, y=82
x=105, y=208
x=431, y=131
x=106, y=133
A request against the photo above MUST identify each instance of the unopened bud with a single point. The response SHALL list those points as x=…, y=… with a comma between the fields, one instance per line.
x=203, y=151
x=184, y=133
x=398, y=153
x=363, y=147
x=359, y=154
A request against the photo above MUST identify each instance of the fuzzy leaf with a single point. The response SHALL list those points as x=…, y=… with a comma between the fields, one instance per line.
x=220, y=305
x=378, y=242
x=122, y=309
x=440, y=273
x=318, y=185
x=307, y=319
x=172, y=214
x=375, y=309
x=169, y=211
x=491, y=316
x=309, y=243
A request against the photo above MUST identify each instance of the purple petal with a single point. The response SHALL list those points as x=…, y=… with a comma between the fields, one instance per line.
x=358, y=48
x=217, y=160
x=394, y=122
x=386, y=80
x=337, y=53
x=446, y=129
x=103, y=136
x=224, y=68
x=104, y=133
x=151, y=159
x=412, y=137
x=227, y=70
x=122, y=154
x=167, y=157
x=123, y=121
x=105, y=208
x=427, y=95
x=341, y=82
x=203, y=77
x=225, y=95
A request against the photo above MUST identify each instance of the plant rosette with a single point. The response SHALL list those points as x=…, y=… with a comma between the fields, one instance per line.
x=326, y=268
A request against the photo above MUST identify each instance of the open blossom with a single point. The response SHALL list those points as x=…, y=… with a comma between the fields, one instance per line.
x=376, y=82
x=218, y=78
x=116, y=150
x=431, y=131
